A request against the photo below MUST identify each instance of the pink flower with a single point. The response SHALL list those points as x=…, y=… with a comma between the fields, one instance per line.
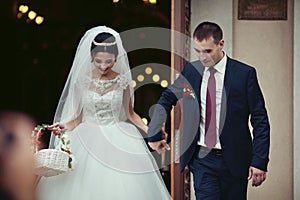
x=188, y=91
x=35, y=141
x=68, y=151
x=41, y=134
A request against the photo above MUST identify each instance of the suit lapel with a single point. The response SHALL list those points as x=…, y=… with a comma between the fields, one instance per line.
x=197, y=79
x=229, y=76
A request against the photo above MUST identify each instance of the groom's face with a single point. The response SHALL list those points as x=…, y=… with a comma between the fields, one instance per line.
x=209, y=53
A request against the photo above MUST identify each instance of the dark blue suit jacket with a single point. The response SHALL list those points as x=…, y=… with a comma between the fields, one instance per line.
x=242, y=100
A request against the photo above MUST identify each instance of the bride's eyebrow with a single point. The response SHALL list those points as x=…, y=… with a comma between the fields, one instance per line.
x=104, y=60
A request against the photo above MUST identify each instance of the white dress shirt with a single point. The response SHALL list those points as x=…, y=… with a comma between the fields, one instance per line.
x=219, y=76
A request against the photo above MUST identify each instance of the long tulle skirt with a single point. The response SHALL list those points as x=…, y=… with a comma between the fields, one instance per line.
x=111, y=162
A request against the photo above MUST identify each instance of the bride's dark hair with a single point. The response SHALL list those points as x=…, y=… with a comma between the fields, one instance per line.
x=104, y=42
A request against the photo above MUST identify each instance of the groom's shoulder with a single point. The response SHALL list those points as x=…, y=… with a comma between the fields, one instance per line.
x=238, y=63
x=195, y=63
x=193, y=67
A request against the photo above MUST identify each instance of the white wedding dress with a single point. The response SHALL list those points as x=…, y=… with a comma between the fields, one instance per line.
x=112, y=161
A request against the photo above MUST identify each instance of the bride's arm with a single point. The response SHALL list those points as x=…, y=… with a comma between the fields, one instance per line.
x=131, y=114
x=72, y=124
x=57, y=127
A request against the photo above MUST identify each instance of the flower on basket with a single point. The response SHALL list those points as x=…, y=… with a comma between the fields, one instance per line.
x=188, y=91
x=39, y=130
x=65, y=146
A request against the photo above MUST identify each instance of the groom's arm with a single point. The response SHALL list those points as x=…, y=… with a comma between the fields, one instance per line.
x=167, y=100
x=260, y=123
x=261, y=131
x=159, y=117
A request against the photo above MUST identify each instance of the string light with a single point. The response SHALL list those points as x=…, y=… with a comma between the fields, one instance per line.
x=31, y=15
x=152, y=1
x=140, y=78
x=23, y=8
x=133, y=83
x=39, y=20
x=164, y=83
x=19, y=15
x=145, y=121
x=155, y=77
x=148, y=70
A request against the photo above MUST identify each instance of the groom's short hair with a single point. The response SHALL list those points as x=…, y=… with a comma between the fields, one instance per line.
x=206, y=30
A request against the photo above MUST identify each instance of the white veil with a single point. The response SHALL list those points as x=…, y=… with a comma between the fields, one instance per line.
x=113, y=153
x=78, y=81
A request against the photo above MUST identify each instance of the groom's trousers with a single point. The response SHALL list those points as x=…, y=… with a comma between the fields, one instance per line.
x=212, y=178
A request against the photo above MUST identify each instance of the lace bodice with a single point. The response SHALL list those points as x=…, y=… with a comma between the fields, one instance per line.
x=102, y=104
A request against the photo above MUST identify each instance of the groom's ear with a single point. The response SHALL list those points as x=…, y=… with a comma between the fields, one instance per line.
x=221, y=43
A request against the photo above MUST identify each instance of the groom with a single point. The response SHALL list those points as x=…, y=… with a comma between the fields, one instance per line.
x=219, y=95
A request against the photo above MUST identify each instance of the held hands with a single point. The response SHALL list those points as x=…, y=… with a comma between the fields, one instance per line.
x=258, y=176
x=56, y=128
x=162, y=145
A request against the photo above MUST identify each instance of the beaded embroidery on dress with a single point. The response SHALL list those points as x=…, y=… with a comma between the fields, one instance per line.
x=103, y=85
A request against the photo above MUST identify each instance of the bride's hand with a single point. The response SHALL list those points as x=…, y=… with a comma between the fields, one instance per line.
x=159, y=146
x=56, y=128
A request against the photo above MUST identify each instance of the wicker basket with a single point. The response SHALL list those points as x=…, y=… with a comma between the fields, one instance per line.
x=51, y=162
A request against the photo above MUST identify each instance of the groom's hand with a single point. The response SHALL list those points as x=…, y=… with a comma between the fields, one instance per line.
x=258, y=176
x=159, y=146
x=164, y=135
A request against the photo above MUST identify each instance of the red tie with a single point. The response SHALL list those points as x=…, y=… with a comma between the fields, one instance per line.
x=210, y=116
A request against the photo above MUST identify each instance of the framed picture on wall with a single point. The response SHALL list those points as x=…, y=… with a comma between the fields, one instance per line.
x=262, y=9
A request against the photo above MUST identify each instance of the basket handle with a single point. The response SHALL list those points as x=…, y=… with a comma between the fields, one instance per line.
x=39, y=130
x=37, y=138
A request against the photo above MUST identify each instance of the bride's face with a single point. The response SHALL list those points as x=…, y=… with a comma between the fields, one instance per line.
x=104, y=61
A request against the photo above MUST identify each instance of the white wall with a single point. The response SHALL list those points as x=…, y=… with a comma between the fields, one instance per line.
x=267, y=45
x=218, y=11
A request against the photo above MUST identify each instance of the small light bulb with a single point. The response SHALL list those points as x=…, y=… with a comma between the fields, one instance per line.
x=140, y=78
x=152, y=1
x=31, y=15
x=148, y=70
x=145, y=121
x=23, y=8
x=133, y=83
x=39, y=20
x=155, y=78
x=164, y=83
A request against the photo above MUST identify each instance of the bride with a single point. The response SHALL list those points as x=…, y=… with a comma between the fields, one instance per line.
x=112, y=159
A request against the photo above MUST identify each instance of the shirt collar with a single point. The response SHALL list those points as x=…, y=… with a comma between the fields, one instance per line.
x=221, y=65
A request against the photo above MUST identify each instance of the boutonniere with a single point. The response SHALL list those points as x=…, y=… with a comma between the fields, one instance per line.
x=188, y=91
